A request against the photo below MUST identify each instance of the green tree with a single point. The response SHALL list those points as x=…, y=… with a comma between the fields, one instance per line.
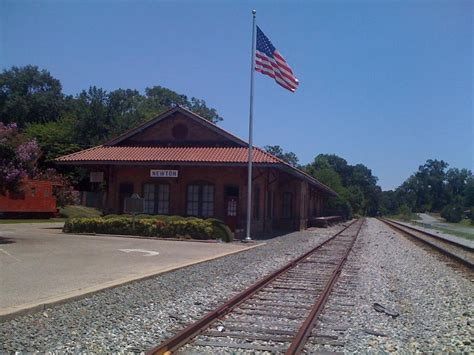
x=354, y=183
x=92, y=117
x=54, y=138
x=277, y=151
x=199, y=107
x=456, y=181
x=124, y=110
x=159, y=99
x=469, y=192
x=29, y=95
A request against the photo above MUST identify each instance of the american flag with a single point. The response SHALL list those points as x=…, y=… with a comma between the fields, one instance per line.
x=270, y=62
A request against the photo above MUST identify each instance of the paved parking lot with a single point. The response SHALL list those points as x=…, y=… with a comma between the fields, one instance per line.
x=39, y=264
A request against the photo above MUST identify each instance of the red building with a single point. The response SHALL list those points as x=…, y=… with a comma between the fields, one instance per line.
x=182, y=164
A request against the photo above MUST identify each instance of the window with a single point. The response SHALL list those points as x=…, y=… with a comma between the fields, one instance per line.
x=163, y=199
x=200, y=200
x=287, y=205
x=193, y=200
x=157, y=198
x=207, y=200
x=33, y=191
x=149, y=198
x=270, y=204
x=256, y=203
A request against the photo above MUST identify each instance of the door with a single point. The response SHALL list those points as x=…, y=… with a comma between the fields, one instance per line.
x=125, y=190
x=231, y=207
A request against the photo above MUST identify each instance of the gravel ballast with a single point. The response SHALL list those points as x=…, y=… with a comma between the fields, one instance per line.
x=136, y=316
x=433, y=300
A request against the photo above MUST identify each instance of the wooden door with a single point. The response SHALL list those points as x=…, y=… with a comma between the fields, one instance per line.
x=231, y=207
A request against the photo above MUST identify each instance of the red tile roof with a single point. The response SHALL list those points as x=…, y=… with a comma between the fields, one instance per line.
x=103, y=154
x=211, y=155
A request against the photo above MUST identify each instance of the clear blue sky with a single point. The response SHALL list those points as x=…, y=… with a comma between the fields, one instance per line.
x=385, y=83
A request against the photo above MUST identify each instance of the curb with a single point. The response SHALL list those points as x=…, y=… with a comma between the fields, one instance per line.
x=209, y=241
x=34, y=307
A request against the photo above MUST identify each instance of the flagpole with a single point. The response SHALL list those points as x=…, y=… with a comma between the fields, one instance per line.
x=250, y=157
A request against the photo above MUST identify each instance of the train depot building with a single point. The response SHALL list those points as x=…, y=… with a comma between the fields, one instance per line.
x=182, y=164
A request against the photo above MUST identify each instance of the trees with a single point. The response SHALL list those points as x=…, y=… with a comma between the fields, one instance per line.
x=29, y=95
x=433, y=188
x=32, y=97
x=355, y=184
x=288, y=157
x=159, y=99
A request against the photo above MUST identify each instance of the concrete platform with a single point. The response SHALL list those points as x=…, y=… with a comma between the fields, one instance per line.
x=40, y=265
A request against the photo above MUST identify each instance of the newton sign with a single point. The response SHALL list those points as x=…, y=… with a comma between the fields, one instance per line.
x=164, y=173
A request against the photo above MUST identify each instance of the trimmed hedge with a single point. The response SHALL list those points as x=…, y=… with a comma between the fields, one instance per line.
x=151, y=226
x=221, y=230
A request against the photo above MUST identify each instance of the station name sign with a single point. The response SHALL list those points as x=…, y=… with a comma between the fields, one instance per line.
x=164, y=173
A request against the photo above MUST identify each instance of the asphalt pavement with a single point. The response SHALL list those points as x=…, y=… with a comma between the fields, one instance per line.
x=41, y=265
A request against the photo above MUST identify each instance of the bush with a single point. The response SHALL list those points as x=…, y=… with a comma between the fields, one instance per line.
x=221, y=230
x=151, y=226
x=452, y=213
x=405, y=213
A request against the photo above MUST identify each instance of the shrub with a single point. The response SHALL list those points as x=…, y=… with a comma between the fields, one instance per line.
x=221, y=230
x=109, y=216
x=145, y=225
x=405, y=213
x=452, y=213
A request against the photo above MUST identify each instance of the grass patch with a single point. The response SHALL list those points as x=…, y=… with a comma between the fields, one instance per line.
x=465, y=223
x=79, y=212
x=456, y=233
x=459, y=234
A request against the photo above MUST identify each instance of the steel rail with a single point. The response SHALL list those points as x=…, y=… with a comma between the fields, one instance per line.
x=401, y=228
x=306, y=328
x=463, y=246
x=199, y=326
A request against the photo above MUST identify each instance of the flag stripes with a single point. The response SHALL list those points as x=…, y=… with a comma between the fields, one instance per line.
x=269, y=61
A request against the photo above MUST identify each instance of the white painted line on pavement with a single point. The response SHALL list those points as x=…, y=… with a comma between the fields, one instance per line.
x=6, y=252
x=149, y=252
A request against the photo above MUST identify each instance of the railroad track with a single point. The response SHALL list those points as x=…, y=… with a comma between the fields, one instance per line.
x=276, y=314
x=462, y=253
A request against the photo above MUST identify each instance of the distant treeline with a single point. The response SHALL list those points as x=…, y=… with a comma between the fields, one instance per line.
x=62, y=124
x=433, y=188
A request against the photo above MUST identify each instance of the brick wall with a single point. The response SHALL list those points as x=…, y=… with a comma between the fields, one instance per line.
x=162, y=132
x=267, y=180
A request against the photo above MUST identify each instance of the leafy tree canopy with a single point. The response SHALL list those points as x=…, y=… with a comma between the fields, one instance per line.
x=355, y=184
x=433, y=187
x=29, y=95
x=277, y=151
